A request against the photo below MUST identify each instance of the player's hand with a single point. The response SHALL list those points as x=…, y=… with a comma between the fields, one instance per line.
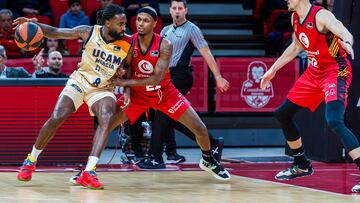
x=266, y=78
x=222, y=83
x=21, y=20
x=347, y=47
x=126, y=98
x=120, y=82
x=38, y=60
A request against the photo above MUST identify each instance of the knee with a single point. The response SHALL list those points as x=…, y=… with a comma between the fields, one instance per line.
x=57, y=118
x=335, y=124
x=282, y=117
x=104, y=119
x=201, y=130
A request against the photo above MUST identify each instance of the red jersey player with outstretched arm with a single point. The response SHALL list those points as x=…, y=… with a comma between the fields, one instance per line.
x=151, y=88
x=327, y=43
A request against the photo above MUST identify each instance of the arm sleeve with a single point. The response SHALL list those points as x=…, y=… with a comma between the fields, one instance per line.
x=197, y=38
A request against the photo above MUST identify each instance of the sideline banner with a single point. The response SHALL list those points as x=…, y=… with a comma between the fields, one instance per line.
x=244, y=75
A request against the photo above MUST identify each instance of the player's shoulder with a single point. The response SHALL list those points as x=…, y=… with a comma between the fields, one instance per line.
x=127, y=38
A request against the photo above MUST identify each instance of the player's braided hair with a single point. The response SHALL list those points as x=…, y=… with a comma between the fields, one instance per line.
x=108, y=12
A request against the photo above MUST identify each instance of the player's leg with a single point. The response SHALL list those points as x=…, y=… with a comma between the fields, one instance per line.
x=65, y=105
x=301, y=166
x=103, y=106
x=336, y=93
x=208, y=163
x=298, y=97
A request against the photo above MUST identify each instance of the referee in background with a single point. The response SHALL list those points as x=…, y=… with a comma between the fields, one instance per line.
x=185, y=37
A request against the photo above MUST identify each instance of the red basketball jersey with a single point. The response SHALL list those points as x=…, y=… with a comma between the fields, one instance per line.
x=323, y=49
x=144, y=65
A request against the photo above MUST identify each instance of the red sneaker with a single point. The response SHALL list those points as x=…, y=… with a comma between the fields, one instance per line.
x=27, y=168
x=89, y=179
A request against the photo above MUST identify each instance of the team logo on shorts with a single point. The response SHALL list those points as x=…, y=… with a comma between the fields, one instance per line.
x=304, y=39
x=252, y=93
x=145, y=67
x=77, y=88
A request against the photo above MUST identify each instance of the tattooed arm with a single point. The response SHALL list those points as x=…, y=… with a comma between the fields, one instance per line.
x=81, y=31
x=159, y=70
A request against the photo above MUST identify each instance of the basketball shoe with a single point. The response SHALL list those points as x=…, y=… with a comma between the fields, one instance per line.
x=175, y=158
x=89, y=179
x=356, y=188
x=27, y=168
x=152, y=163
x=215, y=168
x=294, y=171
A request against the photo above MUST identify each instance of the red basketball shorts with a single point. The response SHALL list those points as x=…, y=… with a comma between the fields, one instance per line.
x=167, y=100
x=311, y=89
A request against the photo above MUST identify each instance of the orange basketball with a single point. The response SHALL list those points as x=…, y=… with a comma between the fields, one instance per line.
x=28, y=36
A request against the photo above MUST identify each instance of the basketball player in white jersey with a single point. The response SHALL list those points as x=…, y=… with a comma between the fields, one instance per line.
x=106, y=48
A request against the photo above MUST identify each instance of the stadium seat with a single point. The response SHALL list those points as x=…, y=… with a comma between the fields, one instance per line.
x=258, y=7
x=42, y=19
x=91, y=5
x=58, y=8
x=269, y=23
x=73, y=46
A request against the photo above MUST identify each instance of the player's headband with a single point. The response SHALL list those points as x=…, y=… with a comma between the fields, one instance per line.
x=148, y=11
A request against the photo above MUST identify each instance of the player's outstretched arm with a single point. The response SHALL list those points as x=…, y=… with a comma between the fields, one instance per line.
x=289, y=54
x=81, y=31
x=159, y=71
x=325, y=21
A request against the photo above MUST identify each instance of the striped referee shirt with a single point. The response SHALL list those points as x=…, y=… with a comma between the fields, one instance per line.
x=184, y=38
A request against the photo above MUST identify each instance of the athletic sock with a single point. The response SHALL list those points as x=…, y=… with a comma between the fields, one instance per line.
x=35, y=153
x=92, y=161
x=300, y=158
x=206, y=155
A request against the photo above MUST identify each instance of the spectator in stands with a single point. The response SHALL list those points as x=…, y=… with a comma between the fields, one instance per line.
x=103, y=4
x=74, y=16
x=7, y=33
x=30, y=8
x=13, y=72
x=51, y=45
x=132, y=6
x=53, y=70
x=182, y=78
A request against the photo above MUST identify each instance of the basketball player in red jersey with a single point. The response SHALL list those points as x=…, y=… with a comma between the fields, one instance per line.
x=327, y=43
x=151, y=88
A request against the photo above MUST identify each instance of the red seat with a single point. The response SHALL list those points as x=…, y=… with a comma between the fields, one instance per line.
x=269, y=23
x=42, y=19
x=157, y=29
x=73, y=46
x=58, y=8
x=89, y=6
x=258, y=7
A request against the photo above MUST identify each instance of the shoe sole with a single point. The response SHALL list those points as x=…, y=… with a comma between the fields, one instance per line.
x=174, y=161
x=214, y=174
x=93, y=188
x=23, y=180
x=295, y=177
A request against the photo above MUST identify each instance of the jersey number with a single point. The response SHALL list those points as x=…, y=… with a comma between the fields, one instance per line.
x=96, y=82
x=150, y=88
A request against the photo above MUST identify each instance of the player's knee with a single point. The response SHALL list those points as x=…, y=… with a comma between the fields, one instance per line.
x=57, y=118
x=105, y=118
x=335, y=124
x=282, y=117
x=201, y=129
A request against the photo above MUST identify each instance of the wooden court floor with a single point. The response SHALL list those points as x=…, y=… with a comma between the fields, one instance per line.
x=151, y=187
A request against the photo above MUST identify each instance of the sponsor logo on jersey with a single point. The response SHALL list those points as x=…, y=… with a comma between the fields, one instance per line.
x=176, y=106
x=145, y=67
x=304, y=39
x=154, y=53
x=117, y=48
x=309, y=25
x=254, y=96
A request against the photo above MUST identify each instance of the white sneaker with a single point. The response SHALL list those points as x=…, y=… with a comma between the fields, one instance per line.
x=216, y=169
